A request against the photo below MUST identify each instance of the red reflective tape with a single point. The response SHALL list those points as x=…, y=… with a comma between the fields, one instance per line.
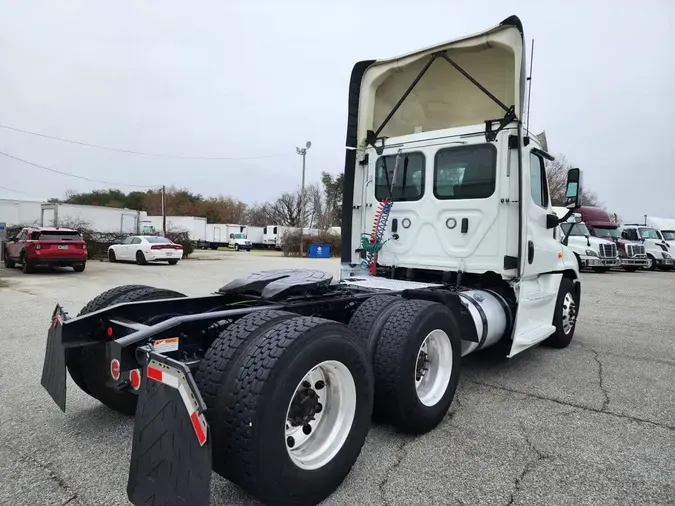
x=196, y=424
x=155, y=374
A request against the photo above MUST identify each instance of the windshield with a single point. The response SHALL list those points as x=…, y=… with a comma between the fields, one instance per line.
x=238, y=236
x=158, y=240
x=648, y=233
x=575, y=229
x=56, y=235
x=668, y=235
x=607, y=232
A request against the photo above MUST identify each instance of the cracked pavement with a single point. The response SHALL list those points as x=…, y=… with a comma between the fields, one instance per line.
x=591, y=424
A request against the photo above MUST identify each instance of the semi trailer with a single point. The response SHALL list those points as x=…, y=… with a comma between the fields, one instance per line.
x=447, y=249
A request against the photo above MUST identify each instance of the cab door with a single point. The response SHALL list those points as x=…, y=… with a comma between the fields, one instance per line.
x=537, y=289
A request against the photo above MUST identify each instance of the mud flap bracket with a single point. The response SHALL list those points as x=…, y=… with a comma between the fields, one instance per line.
x=171, y=453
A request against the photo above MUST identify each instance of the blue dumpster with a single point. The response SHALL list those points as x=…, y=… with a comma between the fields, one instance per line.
x=318, y=250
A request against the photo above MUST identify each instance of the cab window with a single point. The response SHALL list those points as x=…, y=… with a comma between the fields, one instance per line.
x=538, y=184
x=465, y=172
x=406, y=183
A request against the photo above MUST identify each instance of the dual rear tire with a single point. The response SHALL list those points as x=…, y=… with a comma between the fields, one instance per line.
x=290, y=401
x=415, y=349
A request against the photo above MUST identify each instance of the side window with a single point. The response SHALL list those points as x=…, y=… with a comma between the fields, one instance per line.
x=408, y=183
x=22, y=235
x=538, y=184
x=630, y=234
x=466, y=172
x=275, y=230
x=136, y=240
x=566, y=228
x=127, y=240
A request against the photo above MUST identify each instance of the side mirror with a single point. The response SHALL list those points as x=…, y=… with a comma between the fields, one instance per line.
x=14, y=239
x=573, y=193
x=587, y=235
x=578, y=218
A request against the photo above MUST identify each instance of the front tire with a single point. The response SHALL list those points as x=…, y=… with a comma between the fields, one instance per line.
x=651, y=265
x=302, y=396
x=9, y=263
x=417, y=364
x=630, y=268
x=565, y=317
x=236, y=247
x=26, y=266
x=600, y=269
x=111, y=256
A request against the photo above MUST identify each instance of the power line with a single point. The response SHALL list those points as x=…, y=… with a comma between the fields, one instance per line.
x=75, y=175
x=144, y=153
x=15, y=191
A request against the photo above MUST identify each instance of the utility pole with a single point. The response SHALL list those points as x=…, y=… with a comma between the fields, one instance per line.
x=163, y=211
x=302, y=152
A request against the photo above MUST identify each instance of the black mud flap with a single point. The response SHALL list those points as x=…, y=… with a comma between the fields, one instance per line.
x=171, y=454
x=54, y=367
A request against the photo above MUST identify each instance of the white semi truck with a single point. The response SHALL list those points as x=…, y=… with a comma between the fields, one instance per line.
x=659, y=254
x=594, y=253
x=665, y=227
x=447, y=249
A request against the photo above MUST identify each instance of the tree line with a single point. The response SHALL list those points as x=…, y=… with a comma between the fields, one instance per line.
x=322, y=202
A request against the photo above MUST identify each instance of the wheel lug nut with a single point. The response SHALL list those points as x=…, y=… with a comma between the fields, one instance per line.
x=290, y=441
x=307, y=429
x=319, y=408
x=319, y=385
x=306, y=384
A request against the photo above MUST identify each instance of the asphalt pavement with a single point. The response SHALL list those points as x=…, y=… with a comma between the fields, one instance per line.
x=593, y=424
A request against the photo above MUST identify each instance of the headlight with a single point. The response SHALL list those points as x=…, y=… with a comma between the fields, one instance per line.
x=666, y=255
x=591, y=253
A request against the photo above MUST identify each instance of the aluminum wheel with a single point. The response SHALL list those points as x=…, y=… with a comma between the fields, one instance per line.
x=569, y=313
x=320, y=415
x=434, y=367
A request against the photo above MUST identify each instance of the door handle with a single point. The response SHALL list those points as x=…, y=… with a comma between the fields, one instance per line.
x=530, y=252
x=394, y=225
x=465, y=225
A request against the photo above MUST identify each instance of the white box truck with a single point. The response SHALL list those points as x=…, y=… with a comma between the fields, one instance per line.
x=96, y=218
x=255, y=235
x=20, y=212
x=195, y=226
x=216, y=235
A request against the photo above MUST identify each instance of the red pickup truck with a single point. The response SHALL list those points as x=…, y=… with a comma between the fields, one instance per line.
x=48, y=246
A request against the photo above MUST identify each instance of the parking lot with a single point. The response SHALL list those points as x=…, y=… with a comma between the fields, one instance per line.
x=590, y=424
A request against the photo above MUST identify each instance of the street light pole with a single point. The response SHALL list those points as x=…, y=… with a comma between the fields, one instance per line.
x=302, y=152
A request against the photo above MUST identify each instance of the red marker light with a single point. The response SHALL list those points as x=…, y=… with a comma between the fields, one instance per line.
x=109, y=331
x=135, y=379
x=115, y=369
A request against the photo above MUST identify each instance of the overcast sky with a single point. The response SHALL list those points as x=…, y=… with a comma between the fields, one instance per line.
x=237, y=79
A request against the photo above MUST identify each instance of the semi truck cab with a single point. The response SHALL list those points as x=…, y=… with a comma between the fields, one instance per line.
x=657, y=250
x=632, y=254
x=591, y=252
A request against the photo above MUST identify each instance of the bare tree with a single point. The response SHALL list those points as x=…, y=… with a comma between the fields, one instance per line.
x=556, y=172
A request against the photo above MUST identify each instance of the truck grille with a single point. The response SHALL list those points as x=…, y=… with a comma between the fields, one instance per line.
x=608, y=250
x=635, y=249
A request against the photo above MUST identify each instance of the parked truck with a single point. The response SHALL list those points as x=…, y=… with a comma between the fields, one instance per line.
x=15, y=212
x=194, y=226
x=632, y=254
x=255, y=235
x=272, y=380
x=594, y=253
x=657, y=250
x=99, y=219
x=665, y=227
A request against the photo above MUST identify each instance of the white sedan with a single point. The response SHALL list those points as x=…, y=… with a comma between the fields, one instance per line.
x=146, y=248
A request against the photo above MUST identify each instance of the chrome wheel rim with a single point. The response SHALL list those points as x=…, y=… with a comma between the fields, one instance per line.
x=320, y=415
x=569, y=313
x=433, y=368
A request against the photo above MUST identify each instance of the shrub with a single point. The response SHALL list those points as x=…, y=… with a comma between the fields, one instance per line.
x=291, y=242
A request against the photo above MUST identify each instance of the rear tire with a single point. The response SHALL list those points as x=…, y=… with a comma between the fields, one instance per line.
x=565, y=317
x=299, y=466
x=96, y=372
x=217, y=366
x=409, y=397
x=368, y=320
x=79, y=267
x=9, y=263
x=173, y=262
x=140, y=258
x=26, y=266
